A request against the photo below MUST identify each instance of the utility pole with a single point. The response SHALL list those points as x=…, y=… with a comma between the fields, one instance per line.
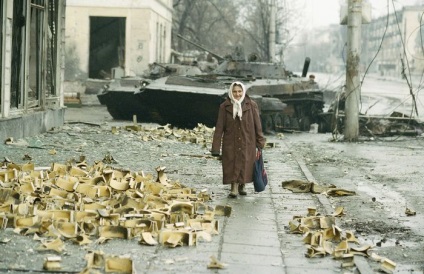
x=353, y=87
x=271, y=39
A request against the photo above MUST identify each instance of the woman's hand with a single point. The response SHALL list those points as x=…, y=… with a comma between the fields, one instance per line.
x=258, y=153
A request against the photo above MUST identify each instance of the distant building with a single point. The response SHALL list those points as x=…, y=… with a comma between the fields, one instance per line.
x=108, y=38
x=403, y=36
x=324, y=45
x=31, y=71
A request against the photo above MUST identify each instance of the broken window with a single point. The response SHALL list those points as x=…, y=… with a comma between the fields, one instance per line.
x=53, y=17
x=107, y=46
x=36, y=46
x=18, y=46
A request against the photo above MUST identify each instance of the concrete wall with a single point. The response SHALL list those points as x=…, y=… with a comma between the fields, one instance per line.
x=27, y=119
x=31, y=124
x=142, y=19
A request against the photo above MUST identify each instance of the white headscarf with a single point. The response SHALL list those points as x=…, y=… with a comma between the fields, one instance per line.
x=237, y=111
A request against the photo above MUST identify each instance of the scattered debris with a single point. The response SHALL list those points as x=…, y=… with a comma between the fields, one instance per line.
x=27, y=157
x=324, y=237
x=76, y=202
x=298, y=186
x=52, y=263
x=8, y=141
x=215, y=264
x=198, y=135
x=387, y=266
x=119, y=264
x=410, y=212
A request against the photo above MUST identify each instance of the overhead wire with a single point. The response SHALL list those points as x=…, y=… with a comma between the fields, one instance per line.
x=381, y=43
x=347, y=93
x=379, y=49
x=421, y=81
x=376, y=54
x=409, y=82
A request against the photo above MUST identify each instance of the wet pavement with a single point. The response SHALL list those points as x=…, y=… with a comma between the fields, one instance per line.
x=256, y=237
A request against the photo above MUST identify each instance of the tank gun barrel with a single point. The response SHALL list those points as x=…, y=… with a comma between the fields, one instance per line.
x=219, y=57
x=159, y=65
x=306, y=66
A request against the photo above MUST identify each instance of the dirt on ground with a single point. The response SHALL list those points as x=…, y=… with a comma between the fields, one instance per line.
x=387, y=176
x=385, y=173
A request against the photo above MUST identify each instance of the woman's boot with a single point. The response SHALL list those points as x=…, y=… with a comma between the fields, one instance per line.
x=234, y=189
x=242, y=189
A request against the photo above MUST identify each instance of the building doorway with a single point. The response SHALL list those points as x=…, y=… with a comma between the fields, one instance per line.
x=107, y=46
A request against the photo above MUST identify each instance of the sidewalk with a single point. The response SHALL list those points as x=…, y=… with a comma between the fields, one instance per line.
x=255, y=238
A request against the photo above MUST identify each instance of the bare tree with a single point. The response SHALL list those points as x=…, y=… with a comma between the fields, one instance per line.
x=221, y=25
x=208, y=22
x=255, y=16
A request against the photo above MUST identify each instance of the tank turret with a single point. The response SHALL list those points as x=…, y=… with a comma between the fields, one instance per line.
x=287, y=101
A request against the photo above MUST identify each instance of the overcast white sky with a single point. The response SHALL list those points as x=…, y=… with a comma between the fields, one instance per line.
x=326, y=12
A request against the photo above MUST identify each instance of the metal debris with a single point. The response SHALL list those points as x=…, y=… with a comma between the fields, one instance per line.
x=324, y=237
x=198, y=135
x=215, y=264
x=52, y=263
x=78, y=203
x=298, y=186
x=410, y=212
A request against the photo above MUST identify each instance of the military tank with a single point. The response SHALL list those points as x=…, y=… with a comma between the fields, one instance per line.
x=118, y=94
x=286, y=101
x=186, y=101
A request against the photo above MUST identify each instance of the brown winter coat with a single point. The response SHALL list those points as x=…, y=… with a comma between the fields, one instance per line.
x=239, y=141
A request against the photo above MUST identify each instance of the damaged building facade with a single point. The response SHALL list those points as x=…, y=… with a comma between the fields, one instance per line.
x=401, y=49
x=31, y=99
x=110, y=39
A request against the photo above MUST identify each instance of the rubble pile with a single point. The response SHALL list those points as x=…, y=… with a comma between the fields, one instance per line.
x=80, y=203
x=198, y=135
x=324, y=237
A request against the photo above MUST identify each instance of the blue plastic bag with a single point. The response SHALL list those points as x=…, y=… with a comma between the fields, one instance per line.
x=260, y=177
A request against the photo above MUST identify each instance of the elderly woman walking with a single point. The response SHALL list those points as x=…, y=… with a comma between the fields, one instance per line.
x=239, y=130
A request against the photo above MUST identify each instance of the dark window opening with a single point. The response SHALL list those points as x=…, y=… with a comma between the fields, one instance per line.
x=53, y=17
x=107, y=46
x=18, y=27
x=36, y=45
